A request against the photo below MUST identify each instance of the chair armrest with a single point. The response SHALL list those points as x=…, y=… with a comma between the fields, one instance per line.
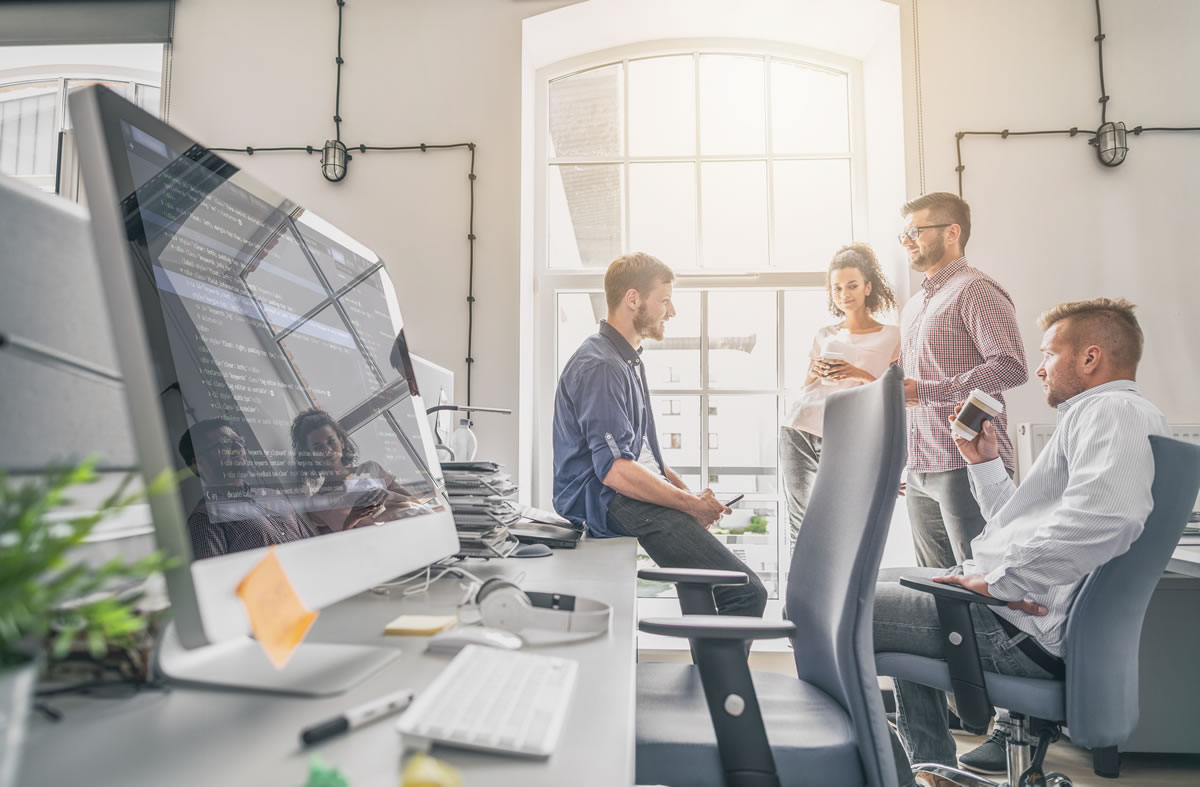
x=951, y=592
x=695, y=576
x=959, y=648
x=705, y=627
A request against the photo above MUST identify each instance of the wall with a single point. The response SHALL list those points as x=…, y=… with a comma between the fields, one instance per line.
x=1049, y=221
x=263, y=73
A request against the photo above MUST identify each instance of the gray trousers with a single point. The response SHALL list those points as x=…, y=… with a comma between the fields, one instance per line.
x=944, y=517
x=906, y=621
x=799, y=454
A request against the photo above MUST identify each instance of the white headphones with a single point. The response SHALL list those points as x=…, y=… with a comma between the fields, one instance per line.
x=503, y=605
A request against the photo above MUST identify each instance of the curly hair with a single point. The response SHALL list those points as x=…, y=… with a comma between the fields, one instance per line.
x=861, y=257
x=305, y=424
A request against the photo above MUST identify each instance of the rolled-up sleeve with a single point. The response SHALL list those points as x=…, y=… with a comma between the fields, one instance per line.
x=603, y=406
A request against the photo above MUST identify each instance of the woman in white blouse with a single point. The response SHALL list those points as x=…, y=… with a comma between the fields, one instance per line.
x=857, y=290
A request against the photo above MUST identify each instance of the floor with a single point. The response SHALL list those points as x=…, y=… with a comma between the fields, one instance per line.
x=1137, y=770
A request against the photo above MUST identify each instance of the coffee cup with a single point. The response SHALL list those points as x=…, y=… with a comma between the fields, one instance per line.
x=831, y=355
x=978, y=408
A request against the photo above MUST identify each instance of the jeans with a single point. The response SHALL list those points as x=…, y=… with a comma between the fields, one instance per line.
x=906, y=621
x=799, y=453
x=944, y=517
x=674, y=539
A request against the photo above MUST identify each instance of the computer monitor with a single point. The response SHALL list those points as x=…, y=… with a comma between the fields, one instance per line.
x=263, y=349
x=436, y=384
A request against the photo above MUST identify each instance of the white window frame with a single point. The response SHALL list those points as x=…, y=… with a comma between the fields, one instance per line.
x=549, y=282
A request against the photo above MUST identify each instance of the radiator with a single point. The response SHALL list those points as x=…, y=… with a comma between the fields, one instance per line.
x=1032, y=438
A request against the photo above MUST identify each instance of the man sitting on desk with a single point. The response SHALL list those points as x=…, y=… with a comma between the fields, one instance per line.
x=239, y=518
x=1083, y=503
x=608, y=470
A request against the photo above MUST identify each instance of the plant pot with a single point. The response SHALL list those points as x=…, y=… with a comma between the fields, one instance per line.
x=17, y=686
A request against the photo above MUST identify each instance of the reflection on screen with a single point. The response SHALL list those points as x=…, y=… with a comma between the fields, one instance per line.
x=282, y=346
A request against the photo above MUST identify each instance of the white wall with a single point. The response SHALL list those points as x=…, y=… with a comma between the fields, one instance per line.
x=1049, y=221
x=262, y=73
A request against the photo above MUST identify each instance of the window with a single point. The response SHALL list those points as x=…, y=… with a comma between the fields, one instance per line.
x=736, y=169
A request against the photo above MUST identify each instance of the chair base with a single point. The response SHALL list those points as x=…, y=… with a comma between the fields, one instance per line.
x=961, y=778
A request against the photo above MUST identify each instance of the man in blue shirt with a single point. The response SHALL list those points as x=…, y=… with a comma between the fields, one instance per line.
x=608, y=470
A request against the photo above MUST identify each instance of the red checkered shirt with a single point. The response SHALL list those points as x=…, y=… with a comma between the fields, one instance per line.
x=959, y=334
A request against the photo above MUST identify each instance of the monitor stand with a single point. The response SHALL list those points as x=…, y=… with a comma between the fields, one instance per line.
x=316, y=669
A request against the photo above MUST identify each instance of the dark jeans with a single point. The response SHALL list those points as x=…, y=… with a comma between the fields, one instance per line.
x=944, y=517
x=675, y=540
x=906, y=621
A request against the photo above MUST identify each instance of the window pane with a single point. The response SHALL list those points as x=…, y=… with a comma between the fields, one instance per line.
x=329, y=363
x=748, y=429
x=374, y=314
x=732, y=105
x=808, y=110
x=750, y=533
x=804, y=312
x=578, y=315
x=28, y=135
x=734, y=215
x=812, y=212
x=662, y=106
x=675, y=361
x=662, y=212
x=284, y=282
x=584, y=215
x=148, y=98
x=585, y=114
x=120, y=88
x=679, y=435
x=741, y=340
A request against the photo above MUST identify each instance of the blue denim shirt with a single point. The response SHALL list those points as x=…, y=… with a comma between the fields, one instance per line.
x=601, y=414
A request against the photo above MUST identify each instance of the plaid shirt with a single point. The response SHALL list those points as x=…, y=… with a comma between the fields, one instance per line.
x=961, y=335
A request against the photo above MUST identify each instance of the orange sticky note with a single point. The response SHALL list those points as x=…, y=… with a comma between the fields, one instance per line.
x=278, y=618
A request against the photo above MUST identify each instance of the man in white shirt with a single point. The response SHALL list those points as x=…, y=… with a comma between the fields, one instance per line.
x=1083, y=502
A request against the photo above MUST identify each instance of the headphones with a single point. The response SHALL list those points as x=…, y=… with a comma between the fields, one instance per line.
x=505, y=606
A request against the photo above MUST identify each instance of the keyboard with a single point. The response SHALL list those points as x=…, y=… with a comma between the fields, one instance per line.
x=504, y=701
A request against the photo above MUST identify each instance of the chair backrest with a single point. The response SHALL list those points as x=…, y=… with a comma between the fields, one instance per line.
x=1104, y=629
x=831, y=587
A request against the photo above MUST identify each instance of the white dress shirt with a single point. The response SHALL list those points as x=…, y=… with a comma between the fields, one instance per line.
x=1084, y=501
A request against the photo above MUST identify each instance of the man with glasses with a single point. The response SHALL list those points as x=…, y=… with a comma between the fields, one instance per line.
x=232, y=516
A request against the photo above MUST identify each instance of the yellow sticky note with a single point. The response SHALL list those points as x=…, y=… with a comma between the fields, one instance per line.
x=421, y=770
x=420, y=624
x=278, y=618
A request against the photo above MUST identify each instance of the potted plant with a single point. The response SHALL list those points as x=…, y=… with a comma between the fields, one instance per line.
x=49, y=597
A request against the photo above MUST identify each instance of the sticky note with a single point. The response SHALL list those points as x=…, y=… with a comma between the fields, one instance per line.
x=421, y=770
x=278, y=618
x=420, y=624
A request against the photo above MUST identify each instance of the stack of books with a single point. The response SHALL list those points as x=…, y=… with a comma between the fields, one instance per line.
x=483, y=501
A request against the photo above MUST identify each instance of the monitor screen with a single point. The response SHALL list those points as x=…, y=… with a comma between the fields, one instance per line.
x=279, y=353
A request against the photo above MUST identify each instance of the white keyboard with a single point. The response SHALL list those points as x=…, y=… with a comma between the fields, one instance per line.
x=495, y=700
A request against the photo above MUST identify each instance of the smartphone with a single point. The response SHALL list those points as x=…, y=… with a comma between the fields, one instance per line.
x=731, y=502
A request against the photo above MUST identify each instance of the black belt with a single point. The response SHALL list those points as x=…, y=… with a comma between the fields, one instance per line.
x=1028, y=645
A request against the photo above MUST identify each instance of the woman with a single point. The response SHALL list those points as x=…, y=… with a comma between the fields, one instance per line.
x=857, y=290
x=343, y=495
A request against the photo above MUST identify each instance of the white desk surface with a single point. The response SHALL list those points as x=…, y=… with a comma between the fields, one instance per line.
x=199, y=737
x=1185, y=560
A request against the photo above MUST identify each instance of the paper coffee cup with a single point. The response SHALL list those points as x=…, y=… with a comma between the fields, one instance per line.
x=978, y=408
x=831, y=355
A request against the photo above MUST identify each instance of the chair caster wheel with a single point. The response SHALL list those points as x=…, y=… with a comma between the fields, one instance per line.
x=1058, y=780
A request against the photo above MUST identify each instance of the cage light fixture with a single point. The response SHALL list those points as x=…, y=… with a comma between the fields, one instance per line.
x=334, y=159
x=1111, y=146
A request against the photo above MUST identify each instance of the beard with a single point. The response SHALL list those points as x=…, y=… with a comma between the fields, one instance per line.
x=930, y=256
x=1063, y=389
x=646, y=326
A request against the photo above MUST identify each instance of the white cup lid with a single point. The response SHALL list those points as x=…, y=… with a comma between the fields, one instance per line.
x=990, y=401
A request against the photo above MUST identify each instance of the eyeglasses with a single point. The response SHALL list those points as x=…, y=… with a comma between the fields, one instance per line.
x=912, y=232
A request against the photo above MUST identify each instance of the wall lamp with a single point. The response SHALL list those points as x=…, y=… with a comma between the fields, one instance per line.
x=1110, y=143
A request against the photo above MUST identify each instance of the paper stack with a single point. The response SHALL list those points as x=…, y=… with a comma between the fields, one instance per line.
x=483, y=501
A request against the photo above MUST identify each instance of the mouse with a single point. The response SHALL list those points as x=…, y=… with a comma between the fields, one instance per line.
x=532, y=550
x=455, y=639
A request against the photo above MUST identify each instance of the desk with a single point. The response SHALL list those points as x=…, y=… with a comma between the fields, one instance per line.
x=1185, y=560
x=204, y=738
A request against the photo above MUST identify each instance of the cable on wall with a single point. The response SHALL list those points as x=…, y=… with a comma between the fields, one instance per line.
x=335, y=159
x=1109, y=139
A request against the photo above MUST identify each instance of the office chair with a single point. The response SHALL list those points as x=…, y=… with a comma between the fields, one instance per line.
x=1098, y=699
x=718, y=723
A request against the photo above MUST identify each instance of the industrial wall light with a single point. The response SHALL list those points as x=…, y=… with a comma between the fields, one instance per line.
x=1110, y=143
x=334, y=158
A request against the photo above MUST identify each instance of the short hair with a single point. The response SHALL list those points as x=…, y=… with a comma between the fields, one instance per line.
x=861, y=258
x=187, y=448
x=305, y=424
x=947, y=208
x=635, y=271
x=1108, y=322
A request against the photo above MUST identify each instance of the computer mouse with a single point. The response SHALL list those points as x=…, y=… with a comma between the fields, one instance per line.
x=455, y=639
x=532, y=550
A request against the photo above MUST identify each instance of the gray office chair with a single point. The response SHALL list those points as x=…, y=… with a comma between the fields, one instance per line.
x=1098, y=699
x=718, y=723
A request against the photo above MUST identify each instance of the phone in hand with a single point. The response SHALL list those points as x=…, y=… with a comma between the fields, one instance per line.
x=731, y=502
